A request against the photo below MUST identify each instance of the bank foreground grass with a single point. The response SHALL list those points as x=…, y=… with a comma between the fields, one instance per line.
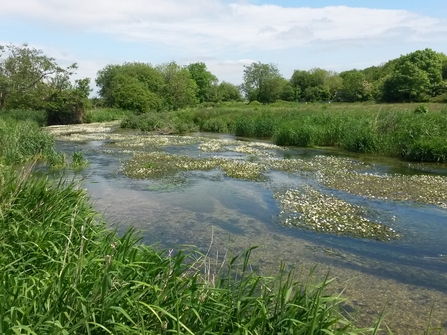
x=63, y=272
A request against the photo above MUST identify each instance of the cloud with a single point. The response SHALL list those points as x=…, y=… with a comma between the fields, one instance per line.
x=225, y=35
x=210, y=26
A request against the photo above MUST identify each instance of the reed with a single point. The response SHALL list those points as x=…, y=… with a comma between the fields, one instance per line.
x=23, y=141
x=397, y=130
x=105, y=115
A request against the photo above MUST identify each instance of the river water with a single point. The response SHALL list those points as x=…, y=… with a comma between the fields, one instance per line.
x=404, y=277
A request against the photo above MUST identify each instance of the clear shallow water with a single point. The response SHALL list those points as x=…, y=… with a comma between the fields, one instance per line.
x=197, y=207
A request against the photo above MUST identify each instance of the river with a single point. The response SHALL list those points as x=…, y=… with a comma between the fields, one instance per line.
x=286, y=201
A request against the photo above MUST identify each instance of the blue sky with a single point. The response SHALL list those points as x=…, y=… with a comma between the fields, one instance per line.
x=225, y=34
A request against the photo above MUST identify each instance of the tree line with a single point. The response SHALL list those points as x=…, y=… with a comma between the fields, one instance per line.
x=416, y=77
x=31, y=80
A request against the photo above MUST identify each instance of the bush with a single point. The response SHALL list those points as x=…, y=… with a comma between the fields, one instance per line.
x=421, y=109
x=145, y=122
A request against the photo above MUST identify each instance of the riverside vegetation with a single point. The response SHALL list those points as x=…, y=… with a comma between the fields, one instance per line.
x=407, y=131
x=63, y=272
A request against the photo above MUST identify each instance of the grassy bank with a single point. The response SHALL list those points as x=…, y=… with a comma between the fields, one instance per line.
x=406, y=131
x=23, y=141
x=63, y=272
x=105, y=115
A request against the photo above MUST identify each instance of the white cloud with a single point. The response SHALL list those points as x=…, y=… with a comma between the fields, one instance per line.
x=224, y=34
x=211, y=25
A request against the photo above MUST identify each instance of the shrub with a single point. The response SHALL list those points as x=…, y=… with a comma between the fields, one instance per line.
x=421, y=109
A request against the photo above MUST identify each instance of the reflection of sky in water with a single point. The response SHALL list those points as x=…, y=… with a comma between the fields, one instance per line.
x=183, y=209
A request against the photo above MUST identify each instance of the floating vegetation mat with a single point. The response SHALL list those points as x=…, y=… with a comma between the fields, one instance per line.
x=350, y=176
x=144, y=141
x=159, y=164
x=69, y=132
x=311, y=209
x=417, y=188
x=325, y=165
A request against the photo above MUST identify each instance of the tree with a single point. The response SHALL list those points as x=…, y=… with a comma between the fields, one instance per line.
x=131, y=94
x=179, y=90
x=287, y=92
x=354, y=87
x=66, y=104
x=204, y=80
x=417, y=76
x=225, y=92
x=315, y=85
x=27, y=76
x=300, y=81
x=444, y=67
x=407, y=83
x=262, y=82
x=110, y=79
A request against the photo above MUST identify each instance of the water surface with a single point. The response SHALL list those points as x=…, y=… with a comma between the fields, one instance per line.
x=406, y=277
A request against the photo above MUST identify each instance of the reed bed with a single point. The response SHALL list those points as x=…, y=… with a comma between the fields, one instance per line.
x=105, y=115
x=407, y=131
x=23, y=141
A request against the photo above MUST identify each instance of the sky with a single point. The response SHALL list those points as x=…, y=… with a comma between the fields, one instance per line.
x=225, y=34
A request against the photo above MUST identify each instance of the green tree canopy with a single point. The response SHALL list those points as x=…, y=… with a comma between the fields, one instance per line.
x=111, y=78
x=262, y=82
x=29, y=79
x=179, y=90
x=131, y=94
x=407, y=83
x=315, y=85
x=27, y=76
x=354, y=87
x=225, y=92
x=204, y=80
x=416, y=76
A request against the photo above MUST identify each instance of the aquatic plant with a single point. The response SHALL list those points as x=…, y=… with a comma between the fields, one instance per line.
x=78, y=160
x=312, y=209
x=160, y=164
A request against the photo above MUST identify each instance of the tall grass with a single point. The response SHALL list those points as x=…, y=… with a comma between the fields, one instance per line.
x=105, y=115
x=63, y=272
x=22, y=141
x=399, y=130
x=40, y=117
